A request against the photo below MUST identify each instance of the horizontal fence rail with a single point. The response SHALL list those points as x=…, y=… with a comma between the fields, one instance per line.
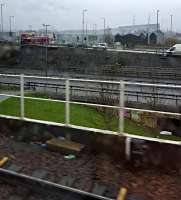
x=28, y=85
x=67, y=89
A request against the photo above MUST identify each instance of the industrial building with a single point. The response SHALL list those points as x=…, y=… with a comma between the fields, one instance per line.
x=95, y=36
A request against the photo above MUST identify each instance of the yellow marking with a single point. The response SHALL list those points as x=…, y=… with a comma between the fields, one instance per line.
x=3, y=161
x=122, y=194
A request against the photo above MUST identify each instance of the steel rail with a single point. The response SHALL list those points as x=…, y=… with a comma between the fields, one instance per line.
x=10, y=176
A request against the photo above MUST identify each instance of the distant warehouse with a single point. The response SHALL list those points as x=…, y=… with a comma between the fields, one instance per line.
x=126, y=35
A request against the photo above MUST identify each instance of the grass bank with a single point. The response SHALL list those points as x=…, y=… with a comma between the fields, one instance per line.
x=80, y=115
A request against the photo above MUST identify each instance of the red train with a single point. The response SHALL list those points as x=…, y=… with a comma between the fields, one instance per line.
x=31, y=38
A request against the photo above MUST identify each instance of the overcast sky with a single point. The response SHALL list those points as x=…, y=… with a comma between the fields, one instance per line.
x=67, y=14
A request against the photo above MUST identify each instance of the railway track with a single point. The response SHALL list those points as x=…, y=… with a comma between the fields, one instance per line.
x=29, y=186
x=156, y=74
x=33, y=171
x=38, y=186
x=32, y=177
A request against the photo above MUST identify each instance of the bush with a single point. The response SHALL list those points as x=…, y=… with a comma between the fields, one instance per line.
x=171, y=41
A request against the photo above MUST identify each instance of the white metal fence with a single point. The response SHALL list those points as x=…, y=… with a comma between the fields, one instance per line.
x=121, y=107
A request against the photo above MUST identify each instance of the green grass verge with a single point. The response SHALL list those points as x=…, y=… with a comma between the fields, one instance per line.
x=80, y=115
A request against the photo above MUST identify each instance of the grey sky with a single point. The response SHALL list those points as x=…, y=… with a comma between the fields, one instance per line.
x=67, y=14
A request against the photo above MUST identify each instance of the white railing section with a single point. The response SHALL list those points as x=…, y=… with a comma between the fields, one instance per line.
x=22, y=96
x=68, y=103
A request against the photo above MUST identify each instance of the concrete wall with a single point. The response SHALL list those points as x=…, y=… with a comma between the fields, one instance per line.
x=88, y=58
x=96, y=63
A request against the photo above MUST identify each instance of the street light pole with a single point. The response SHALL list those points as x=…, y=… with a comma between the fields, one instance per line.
x=104, y=19
x=158, y=20
x=10, y=25
x=86, y=32
x=171, y=23
x=2, y=17
x=134, y=20
x=95, y=29
x=94, y=33
x=83, y=23
x=148, y=30
x=46, y=51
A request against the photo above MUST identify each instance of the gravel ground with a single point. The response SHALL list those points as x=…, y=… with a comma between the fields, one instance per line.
x=88, y=169
x=8, y=192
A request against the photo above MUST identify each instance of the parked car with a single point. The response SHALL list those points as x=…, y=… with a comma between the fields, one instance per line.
x=174, y=50
x=100, y=46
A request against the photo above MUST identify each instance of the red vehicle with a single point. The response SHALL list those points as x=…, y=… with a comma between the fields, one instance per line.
x=27, y=38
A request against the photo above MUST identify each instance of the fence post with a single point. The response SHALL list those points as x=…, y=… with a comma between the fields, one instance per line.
x=67, y=106
x=121, y=109
x=128, y=148
x=22, y=96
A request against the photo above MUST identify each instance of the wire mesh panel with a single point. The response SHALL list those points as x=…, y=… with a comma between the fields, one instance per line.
x=123, y=107
x=153, y=96
x=149, y=107
x=45, y=98
x=10, y=95
x=104, y=118
x=152, y=124
x=95, y=104
x=10, y=106
x=10, y=84
x=45, y=87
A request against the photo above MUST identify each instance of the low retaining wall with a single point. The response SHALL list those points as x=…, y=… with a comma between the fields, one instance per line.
x=81, y=61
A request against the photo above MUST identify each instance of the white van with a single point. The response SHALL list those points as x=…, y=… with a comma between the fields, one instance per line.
x=174, y=51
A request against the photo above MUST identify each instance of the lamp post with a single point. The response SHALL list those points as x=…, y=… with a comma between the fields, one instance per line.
x=94, y=33
x=104, y=20
x=2, y=17
x=95, y=29
x=158, y=20
x=46, y=47
x=10, y=25
x=134, y=20
x=171, y=23
x=86, y=33
x=148, y=30
x=83, y=23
